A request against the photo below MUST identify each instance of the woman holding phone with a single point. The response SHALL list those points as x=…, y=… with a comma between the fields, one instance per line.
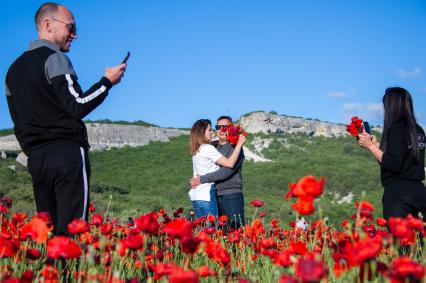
x=206, y=159
x=401, y=154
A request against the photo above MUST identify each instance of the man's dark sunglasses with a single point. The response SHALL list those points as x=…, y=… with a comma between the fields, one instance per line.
x=218, y=127
x=71, y=27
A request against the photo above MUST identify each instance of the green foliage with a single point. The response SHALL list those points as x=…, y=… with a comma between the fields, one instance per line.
x=6, y=132
x=120, y=122
x=15, y=182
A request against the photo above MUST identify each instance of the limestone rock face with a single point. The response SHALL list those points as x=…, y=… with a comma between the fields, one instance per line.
x=9, y=143
x=106, y=136
x=264, y=122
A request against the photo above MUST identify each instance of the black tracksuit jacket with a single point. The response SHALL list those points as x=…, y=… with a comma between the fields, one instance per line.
x=45, y=100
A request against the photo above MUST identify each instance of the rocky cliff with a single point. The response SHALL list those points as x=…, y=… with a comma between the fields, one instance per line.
x=106, y=136
x=264, y=122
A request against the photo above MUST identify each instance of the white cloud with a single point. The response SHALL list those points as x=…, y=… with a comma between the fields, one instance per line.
x=372, y=112
x=336, y=94
x=417, y=72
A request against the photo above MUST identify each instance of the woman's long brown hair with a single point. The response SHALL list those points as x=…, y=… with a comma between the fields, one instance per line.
x=198, y=135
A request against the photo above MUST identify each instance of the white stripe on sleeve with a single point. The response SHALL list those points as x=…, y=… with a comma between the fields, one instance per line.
x=86, y=99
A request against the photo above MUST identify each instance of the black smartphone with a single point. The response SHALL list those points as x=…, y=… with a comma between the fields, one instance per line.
x=126, y=58
x=367, y=127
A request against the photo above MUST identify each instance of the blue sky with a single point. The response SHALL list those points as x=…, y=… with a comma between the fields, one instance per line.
x=326, y=60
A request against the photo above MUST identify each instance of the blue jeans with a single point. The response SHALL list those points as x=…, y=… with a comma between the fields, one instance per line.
x=204, y=208
x=232, y=205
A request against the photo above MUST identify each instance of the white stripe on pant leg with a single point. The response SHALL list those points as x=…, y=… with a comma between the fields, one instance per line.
x=86, y=187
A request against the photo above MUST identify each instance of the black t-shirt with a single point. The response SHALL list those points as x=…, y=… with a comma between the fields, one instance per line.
x=398, y=163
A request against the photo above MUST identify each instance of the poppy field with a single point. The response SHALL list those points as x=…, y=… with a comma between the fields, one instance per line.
x=163, y=246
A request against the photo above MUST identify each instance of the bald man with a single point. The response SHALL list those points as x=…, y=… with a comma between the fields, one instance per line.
x=47, y=106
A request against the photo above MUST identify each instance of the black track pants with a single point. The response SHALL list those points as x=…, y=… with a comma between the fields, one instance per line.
x=404, y=197
x=60, y=172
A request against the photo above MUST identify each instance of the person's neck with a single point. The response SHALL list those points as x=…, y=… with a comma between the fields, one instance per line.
x=223, y=142
x=44, y=36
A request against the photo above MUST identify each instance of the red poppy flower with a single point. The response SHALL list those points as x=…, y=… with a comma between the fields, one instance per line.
x=415, y=223
x=190, y=244
x=27, y=276
x=205, y=271
x=92, y=207
x=178, y=228
x=404, y=269
x=4, y=209
x=178, y=212
x=33, y=253
x=8, y=248
x=234, y=133
x=267, y=243
x=45, y=216
x=298, y=247
x=211, y=218
x=86, y=238
x=78, y=226
x=49, y=274
x=400, y=228
x=309, y=269
x=304, y=205
x=148, y=223
x=134, y=241
x=161, y=269
x=381, y=221
x=6, y=201
x=274, y=223
x=306, y=186
x=62, y=247
x=223, y=220
x=217, y=253
x=106, y=229
x=365, y=209
x=355, y=127
x=183, y=276
x=36, y=229
x=282, y=259
x=97, y=220
x=257, y=203
x=19, y=217
x=366, y=249
x=287, y=279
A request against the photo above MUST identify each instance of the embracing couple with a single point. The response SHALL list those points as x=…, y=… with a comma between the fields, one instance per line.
x=216, y=187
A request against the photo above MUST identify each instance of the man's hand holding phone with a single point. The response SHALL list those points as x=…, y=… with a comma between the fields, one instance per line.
x=114, y=74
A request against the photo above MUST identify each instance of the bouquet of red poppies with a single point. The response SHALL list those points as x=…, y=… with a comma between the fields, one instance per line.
x=234, y=132
x=356, y=127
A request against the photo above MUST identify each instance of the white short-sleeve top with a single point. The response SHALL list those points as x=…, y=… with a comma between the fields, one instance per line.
x=202, y=163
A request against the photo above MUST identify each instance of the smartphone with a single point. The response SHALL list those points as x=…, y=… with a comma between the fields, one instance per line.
x=367, y=127
x=126, y=58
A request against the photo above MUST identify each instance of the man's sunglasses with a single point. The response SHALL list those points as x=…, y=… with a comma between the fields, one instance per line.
x=71, y=27
x=218, y=127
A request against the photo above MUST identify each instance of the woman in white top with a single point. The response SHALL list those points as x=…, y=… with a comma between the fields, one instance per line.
x=206, y=159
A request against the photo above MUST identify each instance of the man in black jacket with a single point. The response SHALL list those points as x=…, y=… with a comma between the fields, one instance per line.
x=47, y=106
x=228, y=181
